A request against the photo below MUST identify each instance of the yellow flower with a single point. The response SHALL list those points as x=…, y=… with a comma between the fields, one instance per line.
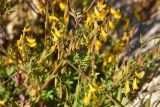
x=32, y=45
x=21, y=47
x=98, y=45
x=110, y=59
x=103, y=34
x=127, y=88
x=111, y=24
x=42, y=9
x=96, y=25
x=21, y=38
x=139, y=74
x=86, y=41
x=2, y=102
x=116, y=13
x=26, y=29
x=121, y=44
x=52, y=48
x=87, y=98
x=125, y=37
x=57, y=33
x=31, y=42
x=99, y=15
x=104, y=63
x=53, y=18
x=55, y=37
x=62, y=6
x=9, y=61
x=93, y=88
x=20, y=41
x=88, y=22
x=95, y=99
x=137, y=15
x=101, y=5
x=134, y=85
x=96, y=12
x=125, y=26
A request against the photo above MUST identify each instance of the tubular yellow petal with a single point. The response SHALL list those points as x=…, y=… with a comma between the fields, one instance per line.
x=96, y=25
x=101, y=5
x=137, y=15
x=116, y=13
x=92, y=89
x=52, y=48
x=110, y=59
x=125, y=26
x=88, y=22
x=62, y=6
x=20, y=42
x=134, y=85
x=127, y=88
x=26, y=29
x=9, y=61
x=98, y=45
x=2, y=102
x=30, y=40
x=96, y=12
x=21, y=47
x=104, y=63
x=95, y=99
x=55, y=37
x=139, y=74
x=103, y=34
x=111, y=24
x=32, y=45
x=87, y=99
x=125, y=37
x=53, y=18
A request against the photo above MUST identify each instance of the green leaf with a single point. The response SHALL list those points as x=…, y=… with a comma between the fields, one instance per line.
x=47, y=94
x=76, y=95
x=147, y=102
x=10, y=70
x=119, y=96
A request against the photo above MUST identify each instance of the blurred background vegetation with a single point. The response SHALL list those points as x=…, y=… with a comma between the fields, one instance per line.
x=64, y=53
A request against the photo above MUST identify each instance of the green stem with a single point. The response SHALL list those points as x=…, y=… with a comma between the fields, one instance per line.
x=117, y=103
